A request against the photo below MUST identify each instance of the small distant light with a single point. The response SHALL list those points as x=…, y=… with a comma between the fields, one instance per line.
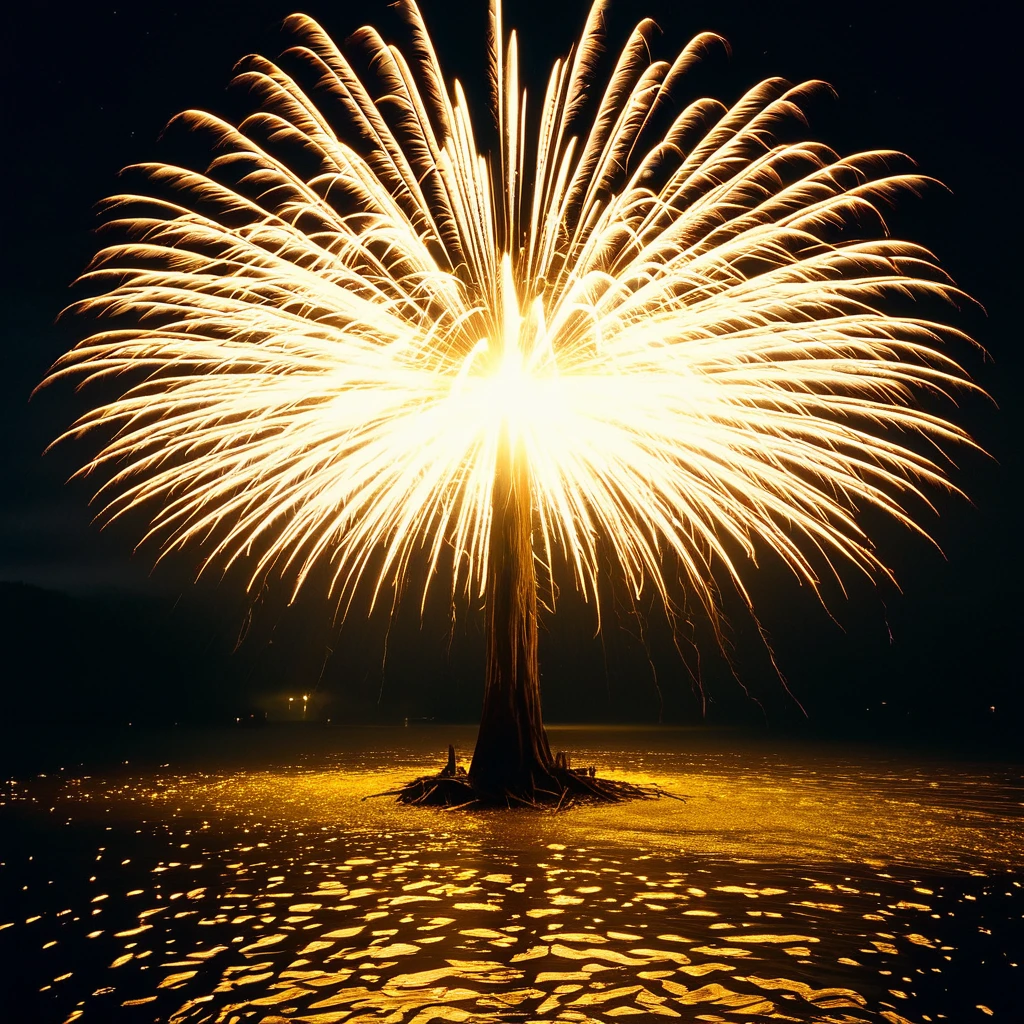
x=992, y=708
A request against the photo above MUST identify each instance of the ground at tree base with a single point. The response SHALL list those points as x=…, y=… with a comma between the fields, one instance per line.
x=561, y=788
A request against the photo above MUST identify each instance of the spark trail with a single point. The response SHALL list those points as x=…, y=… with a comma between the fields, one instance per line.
x=638, y=322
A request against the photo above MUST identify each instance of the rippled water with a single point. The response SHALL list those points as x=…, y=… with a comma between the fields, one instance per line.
x=786, y=886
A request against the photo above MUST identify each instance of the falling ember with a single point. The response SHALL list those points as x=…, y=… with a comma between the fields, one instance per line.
x=637, y=323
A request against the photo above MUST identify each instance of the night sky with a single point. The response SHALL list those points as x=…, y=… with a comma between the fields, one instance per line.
x=89, y=631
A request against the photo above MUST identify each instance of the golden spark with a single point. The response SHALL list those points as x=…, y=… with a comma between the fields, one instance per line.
x=673, y=330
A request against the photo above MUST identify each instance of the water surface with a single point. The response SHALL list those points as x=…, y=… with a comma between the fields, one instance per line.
x=253, y=882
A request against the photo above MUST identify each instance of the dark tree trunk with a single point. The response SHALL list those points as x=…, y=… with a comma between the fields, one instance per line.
x=512, y=762
x=512, y=756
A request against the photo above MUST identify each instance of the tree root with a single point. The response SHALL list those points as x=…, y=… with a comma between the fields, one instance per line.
x=561, y=788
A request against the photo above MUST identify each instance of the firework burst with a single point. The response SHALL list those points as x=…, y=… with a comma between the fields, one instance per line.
x=662, y=328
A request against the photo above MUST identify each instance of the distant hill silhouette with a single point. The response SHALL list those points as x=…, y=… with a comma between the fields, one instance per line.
x=113, y=657
x=107, y=657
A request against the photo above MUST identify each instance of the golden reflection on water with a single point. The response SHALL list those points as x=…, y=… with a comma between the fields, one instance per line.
x=284, y=896
x=735, y=811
